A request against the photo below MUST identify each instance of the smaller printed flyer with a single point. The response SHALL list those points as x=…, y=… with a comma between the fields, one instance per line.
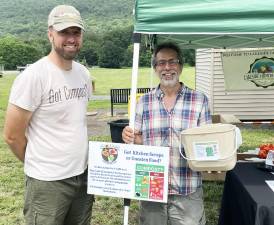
x=206, y=150
x=128, y=171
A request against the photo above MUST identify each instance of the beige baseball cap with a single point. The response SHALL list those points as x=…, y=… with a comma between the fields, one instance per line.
x=64, y=16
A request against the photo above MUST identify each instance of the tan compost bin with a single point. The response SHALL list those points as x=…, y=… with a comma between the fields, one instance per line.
x=210, y=147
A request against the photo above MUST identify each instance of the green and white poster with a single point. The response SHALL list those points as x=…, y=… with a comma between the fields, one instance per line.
x=128, y=171
x=248, y=69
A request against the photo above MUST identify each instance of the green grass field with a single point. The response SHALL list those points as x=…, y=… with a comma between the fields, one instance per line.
x=107, y=211
x=121, y=78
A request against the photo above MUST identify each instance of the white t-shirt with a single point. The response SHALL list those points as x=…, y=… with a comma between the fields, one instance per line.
x=57, y=145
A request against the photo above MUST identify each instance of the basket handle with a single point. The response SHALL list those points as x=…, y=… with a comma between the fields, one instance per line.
x=180, y=150
x=237, y=143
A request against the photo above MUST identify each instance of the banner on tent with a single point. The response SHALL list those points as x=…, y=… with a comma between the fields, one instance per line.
x=248, y=70
x=128, y=171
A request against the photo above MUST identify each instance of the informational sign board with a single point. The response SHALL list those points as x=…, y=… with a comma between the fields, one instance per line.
x=128, y=171
x=248, y=69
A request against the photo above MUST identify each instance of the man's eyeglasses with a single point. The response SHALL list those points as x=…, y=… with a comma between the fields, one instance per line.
x=171, y=63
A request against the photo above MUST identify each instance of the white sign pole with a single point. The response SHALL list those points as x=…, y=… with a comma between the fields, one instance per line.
x=126, y=210
x=134, y=80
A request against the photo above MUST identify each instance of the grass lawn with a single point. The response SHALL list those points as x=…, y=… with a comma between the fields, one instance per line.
x=121, y=78
x=107, y=211
x=105, y=79
x=11, y=170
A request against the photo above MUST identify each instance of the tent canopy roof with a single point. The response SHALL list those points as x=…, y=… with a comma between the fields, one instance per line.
x=208, y=23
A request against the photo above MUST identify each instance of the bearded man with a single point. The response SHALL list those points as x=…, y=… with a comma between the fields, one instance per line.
x=46, y=127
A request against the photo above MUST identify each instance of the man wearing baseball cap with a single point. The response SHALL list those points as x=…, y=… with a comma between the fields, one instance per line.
x=46, y=127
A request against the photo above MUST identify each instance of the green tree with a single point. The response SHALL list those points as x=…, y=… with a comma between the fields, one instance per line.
x=42, y=44
x=16, y=53
x=1, y=66
x=1, y=60
x=114, y=47
x=189, y=56
x=128, y=56
x=144, y=56
x=111, y=55
x=89, y=51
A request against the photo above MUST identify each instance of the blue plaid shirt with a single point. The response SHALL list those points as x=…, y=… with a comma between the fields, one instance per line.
x=160, y=127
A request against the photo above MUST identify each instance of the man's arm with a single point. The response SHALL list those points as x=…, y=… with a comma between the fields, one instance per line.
x=16, y=123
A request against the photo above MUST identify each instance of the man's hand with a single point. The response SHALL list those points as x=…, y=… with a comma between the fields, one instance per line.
x=131, y=137
x=128, y=135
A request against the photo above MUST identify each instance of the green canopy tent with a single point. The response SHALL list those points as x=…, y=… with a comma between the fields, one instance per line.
x=208, y=23
x=197, y=24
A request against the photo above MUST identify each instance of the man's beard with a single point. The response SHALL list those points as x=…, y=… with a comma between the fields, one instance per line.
x=170, y=83
x=65, y=54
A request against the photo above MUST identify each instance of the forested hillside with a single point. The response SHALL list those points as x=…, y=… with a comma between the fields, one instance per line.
x=107, y=40
x=28, y=18
x=23, y=31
